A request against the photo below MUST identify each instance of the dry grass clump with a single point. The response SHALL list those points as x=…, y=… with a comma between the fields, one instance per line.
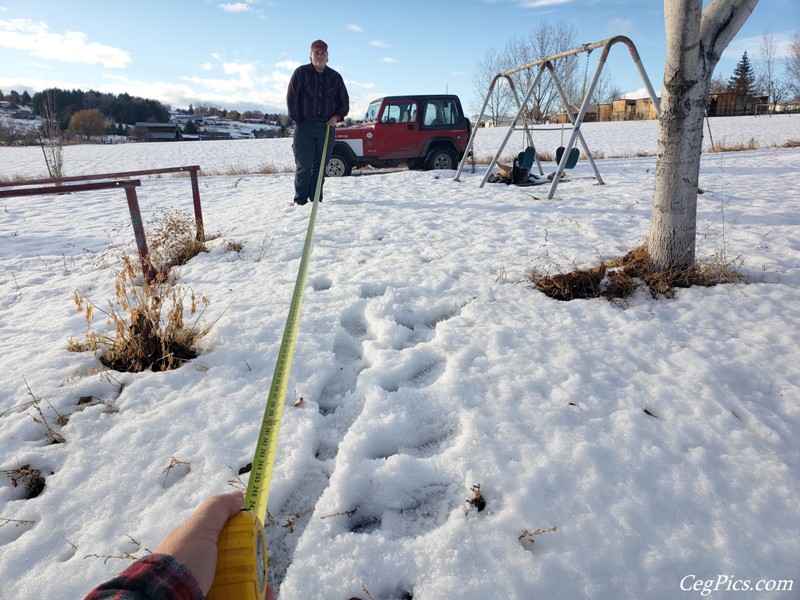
x=146, y=315
x=173, y=242
x=621, y=277
x=268, y=168
x=486, y=159
x=724, y=146
x=27, y=478
x=630, y=154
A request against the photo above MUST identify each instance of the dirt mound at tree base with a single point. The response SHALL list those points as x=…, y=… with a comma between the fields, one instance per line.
x=622, y=276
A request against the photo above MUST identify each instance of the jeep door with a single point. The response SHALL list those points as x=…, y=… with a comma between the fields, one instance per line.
x=396, y=131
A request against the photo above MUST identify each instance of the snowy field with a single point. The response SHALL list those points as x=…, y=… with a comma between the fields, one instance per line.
x=639, y=450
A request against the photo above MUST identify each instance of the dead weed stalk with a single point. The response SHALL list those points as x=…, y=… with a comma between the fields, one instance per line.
x=147, y=315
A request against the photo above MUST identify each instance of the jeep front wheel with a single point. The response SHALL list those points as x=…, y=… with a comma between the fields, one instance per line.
x=338, y=166
x=440, y=157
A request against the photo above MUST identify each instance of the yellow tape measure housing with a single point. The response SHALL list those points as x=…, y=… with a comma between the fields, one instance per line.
x=241, y=560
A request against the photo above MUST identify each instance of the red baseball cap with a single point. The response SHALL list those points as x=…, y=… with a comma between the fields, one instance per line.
x=319, y=44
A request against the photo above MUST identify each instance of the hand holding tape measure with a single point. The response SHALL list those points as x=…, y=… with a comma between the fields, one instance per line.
x=242, y=548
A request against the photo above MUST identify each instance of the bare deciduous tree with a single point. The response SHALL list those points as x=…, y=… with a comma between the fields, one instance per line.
x=769, y=82
x=52, y=144
x=544, y=41
x=792, y=66
x=696, y=38
x=500, y=101
x=717, y=85
x=606, y=90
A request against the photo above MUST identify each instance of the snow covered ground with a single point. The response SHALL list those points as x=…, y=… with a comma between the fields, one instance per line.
x=639, y=450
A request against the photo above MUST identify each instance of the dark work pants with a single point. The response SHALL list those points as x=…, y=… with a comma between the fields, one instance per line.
x=309, y=139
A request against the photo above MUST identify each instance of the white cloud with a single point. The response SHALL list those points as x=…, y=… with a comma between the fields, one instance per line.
x=243, y=70
x=378, y=43
x=354, y=27
x=289, y=65
x=542, y=3
x=752, y=45
x=351, y=83
x=621, y=26
x=636, y=94
x=72, y=46
x=236, y=7
x=389, y=59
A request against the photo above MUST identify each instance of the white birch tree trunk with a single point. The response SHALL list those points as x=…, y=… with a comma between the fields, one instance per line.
x=696, y=38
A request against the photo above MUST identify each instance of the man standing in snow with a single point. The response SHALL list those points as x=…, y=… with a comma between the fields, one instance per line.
x=317, y=99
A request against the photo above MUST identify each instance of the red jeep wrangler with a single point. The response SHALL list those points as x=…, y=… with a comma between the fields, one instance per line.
x=423, y=132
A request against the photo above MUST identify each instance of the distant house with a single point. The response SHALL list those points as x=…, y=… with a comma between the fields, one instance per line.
x=214, y=134
x=182, y=120
x=627, y=109
x=731, y=104
x=623, y=109
x=645, y=109
x=793, y=106
x=500, y=121
x=156, y=132
x=588, y=117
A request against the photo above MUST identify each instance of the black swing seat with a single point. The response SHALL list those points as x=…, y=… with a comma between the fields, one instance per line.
x=521, y=170
x=572, y=158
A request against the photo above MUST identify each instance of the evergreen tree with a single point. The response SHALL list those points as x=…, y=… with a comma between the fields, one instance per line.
x=742, y=82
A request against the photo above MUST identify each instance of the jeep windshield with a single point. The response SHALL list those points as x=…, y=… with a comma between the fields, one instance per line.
x=372, y=111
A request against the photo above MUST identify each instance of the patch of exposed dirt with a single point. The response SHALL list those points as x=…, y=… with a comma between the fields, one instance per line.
x=621, y=277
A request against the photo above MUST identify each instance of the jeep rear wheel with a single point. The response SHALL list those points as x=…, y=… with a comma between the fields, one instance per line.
x=440, y=157
x=338, y=166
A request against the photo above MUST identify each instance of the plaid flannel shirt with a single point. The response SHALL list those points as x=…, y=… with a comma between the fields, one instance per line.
x=155, y=577
x=316, y=96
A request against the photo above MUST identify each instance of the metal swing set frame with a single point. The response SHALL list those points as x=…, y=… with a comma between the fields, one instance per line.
x=545, y=64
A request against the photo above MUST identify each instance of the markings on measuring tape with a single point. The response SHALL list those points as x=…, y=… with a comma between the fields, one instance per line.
x=242, y=557
x=264, y=460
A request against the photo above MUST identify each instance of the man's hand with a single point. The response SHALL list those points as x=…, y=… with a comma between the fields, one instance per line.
x=194, y=543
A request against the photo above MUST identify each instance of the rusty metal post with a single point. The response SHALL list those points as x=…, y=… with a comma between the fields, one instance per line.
x=138, y=232
x=198, y=211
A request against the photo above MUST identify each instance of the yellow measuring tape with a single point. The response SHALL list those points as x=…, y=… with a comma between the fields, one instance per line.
x=242, y=549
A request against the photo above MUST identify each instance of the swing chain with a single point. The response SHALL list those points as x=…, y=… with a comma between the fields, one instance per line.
x=585, y=72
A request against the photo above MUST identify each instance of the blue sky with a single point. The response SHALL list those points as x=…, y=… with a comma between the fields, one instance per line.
x=239, y=55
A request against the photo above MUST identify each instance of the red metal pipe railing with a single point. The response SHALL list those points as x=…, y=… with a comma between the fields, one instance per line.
x=129, y=185
x=193, y=170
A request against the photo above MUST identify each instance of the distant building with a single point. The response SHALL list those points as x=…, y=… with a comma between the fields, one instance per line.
x=156, y=132
x=588, y=117
x=627, y=109
x=645, y=109
x=730, y=104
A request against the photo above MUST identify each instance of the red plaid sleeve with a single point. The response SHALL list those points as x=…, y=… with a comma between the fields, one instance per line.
x=155, y=577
